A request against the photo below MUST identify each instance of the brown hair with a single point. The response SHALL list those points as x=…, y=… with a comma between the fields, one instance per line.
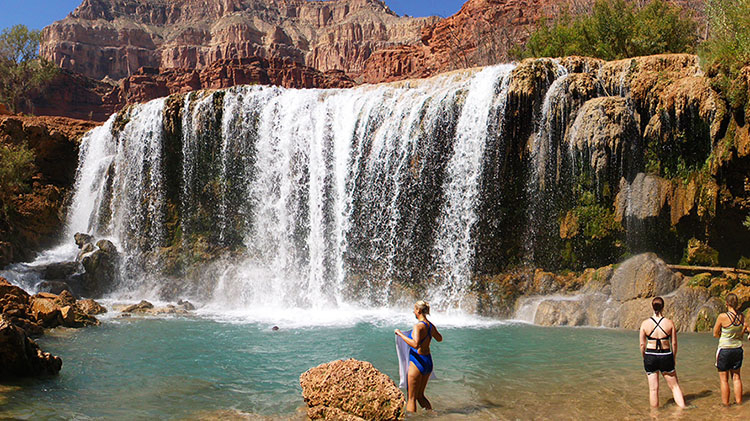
x=423, y=307
x=657, y=304
x=731, y=300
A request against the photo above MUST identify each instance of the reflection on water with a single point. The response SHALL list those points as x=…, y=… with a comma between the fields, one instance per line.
x=206, y=369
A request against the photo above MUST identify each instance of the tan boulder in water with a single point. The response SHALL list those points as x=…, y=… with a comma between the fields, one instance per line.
x=643, y=276
x=351, y=390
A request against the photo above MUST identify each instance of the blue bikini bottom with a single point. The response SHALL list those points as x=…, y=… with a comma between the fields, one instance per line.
x=423, y=362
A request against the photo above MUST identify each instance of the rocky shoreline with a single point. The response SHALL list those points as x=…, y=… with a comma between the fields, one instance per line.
x=24, y=316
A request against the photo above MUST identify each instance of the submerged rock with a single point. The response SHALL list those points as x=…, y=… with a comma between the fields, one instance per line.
x=352, y=390
x=141, y=307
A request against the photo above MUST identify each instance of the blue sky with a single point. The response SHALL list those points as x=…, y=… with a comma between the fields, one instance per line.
x=37, y=14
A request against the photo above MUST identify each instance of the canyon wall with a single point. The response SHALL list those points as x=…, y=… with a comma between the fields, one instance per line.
x=115, y=38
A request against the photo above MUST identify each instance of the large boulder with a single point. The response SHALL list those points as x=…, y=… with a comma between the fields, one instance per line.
x=351, y=389
x=643, y=276
x=51, y=310
x=100, y=269
x=21, y=356
x=14, y=304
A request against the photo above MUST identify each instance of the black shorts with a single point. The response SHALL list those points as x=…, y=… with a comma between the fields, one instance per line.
x=729, y=359
x=654, y=362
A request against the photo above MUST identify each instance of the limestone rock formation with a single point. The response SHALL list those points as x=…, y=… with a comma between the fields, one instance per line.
x=621, y=298
x=643, y=276
x=606, y=134
x=351, y=389
x=115, y=38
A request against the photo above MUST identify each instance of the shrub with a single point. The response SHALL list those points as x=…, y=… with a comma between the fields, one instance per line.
x=16, y=169
x=614, y=30
x=727, y=49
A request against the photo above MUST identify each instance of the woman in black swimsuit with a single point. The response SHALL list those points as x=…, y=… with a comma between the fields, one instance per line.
x=658, y=338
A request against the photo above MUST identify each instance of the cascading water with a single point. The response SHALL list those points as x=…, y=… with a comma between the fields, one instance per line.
x=302, y=198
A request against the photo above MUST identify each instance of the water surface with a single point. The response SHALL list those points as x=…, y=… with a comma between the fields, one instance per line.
x=208, y=367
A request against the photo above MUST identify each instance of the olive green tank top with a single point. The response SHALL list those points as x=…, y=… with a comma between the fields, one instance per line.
x=731, y=336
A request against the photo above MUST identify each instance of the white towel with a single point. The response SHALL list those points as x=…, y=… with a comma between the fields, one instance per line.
x=402, y=351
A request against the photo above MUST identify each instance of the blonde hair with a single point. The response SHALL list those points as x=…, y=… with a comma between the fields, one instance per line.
x=423, y=307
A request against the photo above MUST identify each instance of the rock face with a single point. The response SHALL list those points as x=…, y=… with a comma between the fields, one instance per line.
x=115, y=38
x=643, y=276
x=621, y=298
x=351, y=390
x=100, y=266
x=39, y=218
x=21, y=356
x=22, y=316
x=481, y=33
x=149, y=83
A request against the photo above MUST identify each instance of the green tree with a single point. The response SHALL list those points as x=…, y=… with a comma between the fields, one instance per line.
x=614, y=30
x=16, y=169
x=21, y=70
x=727, y=49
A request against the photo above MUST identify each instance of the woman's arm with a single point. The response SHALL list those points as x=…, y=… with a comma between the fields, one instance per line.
x=438, y=337
x=412, y=342
x=642, y=340
x=717, y=326
x=674, y=341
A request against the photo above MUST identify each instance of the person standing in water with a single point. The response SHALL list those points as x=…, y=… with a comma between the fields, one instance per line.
x=729, y=328
x=658, y=339
x=420, y=360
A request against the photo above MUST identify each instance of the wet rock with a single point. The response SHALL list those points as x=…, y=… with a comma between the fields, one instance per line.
x=351, y=389
x=53, y=287
x=141, y=307
x=51, y=310
x=91, y=307
x=100, y=268
x=82, y=239
x=597, y=280
x=605, y=134
x=21, y=356
x=61, y=270
x=643, y=276
x=701, y=254
x=186, y=305
x=106, y=246
x=14, y=303
x=86, y=249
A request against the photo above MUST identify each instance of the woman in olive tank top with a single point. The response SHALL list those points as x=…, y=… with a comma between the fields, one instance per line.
x=730, y=328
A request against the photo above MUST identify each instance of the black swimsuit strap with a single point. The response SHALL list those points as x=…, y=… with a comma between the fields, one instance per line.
x=735, y=318
x=658, y=340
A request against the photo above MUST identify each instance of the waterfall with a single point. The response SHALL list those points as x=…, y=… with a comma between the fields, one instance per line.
x=260, y=196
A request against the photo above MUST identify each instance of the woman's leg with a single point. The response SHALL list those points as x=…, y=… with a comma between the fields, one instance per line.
x=653, y=389
x=413, y=384
x=423, y=402
x=724, y=383
x=737, y=386
x=673, y=384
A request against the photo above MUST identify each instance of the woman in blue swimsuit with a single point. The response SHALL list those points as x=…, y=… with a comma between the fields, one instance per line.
x=420, y=360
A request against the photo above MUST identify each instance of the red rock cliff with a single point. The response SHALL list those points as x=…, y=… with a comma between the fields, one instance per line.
x=116, y=38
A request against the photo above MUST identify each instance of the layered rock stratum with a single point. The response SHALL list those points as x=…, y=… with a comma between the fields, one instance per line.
x=115, y=38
